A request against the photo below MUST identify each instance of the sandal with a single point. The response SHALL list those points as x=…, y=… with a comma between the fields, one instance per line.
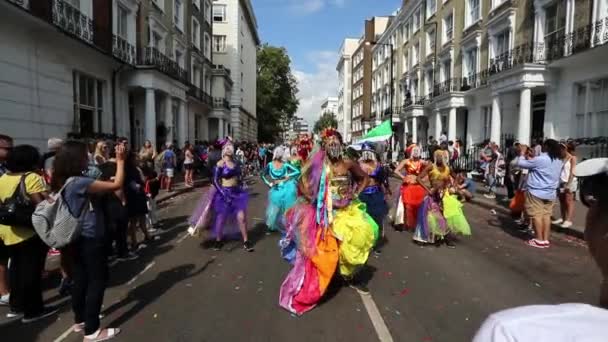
x=102, y=335
x=78, y=327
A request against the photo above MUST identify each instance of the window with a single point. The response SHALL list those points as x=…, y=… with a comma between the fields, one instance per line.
x=196, y=29
x=472, y=12
x=416, y=20
x=156, y=41
x=430, y=39
x=405, y=65
x=429, y=81
x=177, y=14
x=196, y=76
x=208, y=8
x=555, y=18
x=501, y=43
x=219, y=43
x=219, y=13
x=486, y=122
x=470, y=56
x=415, y=54
x=592, y=121
x=121, y=22
x=179, y=58
x=448, y=28
x=446, y=70
x=431, y=7
x=88, y=104
x=207, y=45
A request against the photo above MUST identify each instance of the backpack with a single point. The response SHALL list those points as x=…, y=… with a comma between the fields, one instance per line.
x=17, y=210
x=53, y=221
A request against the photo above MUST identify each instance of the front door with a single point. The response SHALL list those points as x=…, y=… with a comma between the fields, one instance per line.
x=538, y=116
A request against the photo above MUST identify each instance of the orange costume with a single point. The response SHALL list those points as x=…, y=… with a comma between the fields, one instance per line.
x=412, y=193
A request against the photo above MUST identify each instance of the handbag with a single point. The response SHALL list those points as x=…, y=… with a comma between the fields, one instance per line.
x=518, y=202
x=17, y=210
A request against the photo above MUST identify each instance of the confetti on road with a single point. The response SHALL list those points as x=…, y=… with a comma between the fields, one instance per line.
x=397, y=313
x=537, y=284
x=155, y=315
x=404, y=292
x=237, y=288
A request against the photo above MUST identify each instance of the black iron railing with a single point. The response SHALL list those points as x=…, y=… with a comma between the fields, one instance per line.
x=72, y=21
x=152, y=57
x=199, y=94
x=123, y=50
x=521, y=54
x=561, y=44
x=448, y=86
x=221, y=68
x=221, y=102
x=476, y=80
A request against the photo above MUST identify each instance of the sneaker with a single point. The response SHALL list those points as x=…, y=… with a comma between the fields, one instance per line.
x=217, y=245
x=5, y=300
x=128, y=256
x=14, y=314
x=248, y=246
x=566, y=224
x=489, y=195
x=450, y=244
x=46, y=312
x=558, y=221
x=359, y=287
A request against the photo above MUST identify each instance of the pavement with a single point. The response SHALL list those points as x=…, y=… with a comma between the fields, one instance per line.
x=500, y=204
x=179, y=290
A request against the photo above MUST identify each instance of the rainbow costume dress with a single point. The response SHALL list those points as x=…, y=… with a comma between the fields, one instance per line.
x=330, y=231
x=281, y=196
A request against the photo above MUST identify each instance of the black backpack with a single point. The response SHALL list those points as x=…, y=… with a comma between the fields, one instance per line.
x=17, y=210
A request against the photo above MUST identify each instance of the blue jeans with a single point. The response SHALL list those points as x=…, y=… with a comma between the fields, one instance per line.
x=491, y=179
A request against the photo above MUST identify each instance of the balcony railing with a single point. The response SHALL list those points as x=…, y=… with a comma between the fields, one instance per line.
x=524, y=53
x=71, y=20
x=152, y=57
x=448, y=86
x=476, y=80
x=199, y=94
x=23, y=3
x=221, y=102
x=122, y=50
x=561, y=44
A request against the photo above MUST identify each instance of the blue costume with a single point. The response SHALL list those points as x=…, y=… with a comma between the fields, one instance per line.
x=282, y=194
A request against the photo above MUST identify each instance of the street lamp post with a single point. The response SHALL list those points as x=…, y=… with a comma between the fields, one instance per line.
x=392, y=90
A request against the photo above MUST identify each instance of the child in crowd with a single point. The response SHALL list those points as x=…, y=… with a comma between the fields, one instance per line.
x=151, y=188
x=464, y=187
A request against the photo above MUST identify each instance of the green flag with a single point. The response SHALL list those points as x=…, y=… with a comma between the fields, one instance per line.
x=379, y=133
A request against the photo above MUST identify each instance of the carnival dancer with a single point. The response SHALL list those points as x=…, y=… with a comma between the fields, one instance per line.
x=329, y=226
x=374, y=194
x=441, y=213
x=412, y=193
x=278, y=175
x=304, y=147
x=223, y=209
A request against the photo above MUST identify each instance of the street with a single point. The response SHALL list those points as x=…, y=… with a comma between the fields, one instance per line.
x=178, y=290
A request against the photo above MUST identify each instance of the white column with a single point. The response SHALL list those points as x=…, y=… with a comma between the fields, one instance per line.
x=496, y=120
x=438, y=127
x=220, y=129
x=182, y=123
x=169, y=118
x=414, y=130
x=525, y=107
x=588, y=99
x=150, y=123
x=452, y=124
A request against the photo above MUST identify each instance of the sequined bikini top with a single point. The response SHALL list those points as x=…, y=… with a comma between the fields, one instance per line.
x=229, y=172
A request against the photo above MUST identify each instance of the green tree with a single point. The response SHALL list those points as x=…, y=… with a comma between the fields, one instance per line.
x=276, y=92
x=328, y=119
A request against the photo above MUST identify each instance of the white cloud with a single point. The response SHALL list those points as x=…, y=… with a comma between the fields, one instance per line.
x=312, y=6
x=315, y=87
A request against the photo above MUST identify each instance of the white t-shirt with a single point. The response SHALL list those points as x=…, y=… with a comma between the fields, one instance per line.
x=546, y=323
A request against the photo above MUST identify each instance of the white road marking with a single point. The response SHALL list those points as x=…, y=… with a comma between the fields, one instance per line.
x=382, y=331
x=142, y=272
x=64, y=335
x=183, y=238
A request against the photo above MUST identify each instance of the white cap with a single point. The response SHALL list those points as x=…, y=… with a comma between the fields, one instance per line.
x=591, y=167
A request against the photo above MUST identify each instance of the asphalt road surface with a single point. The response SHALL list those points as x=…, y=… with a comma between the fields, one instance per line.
x=179, y=290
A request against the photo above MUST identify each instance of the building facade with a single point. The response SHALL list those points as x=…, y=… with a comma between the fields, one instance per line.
x=235, y=43
x=329, y=105
x=361, y=86
x=344, y=69
x=136, y=68
x=501, y=70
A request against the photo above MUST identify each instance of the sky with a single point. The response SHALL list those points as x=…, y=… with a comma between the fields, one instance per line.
x=312, y=32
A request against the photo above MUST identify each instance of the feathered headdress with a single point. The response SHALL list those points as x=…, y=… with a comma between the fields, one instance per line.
x=330, y=132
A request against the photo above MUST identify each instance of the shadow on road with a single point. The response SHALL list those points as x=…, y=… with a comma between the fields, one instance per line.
x=152, y=290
